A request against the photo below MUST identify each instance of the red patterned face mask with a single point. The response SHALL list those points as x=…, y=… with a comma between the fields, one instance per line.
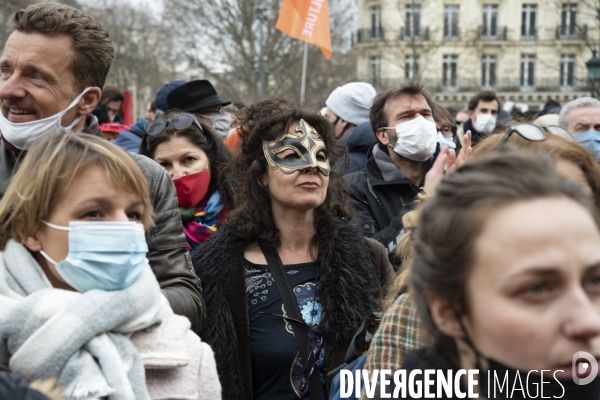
x=192, y=188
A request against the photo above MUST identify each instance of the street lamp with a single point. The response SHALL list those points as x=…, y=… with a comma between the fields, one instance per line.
x=593, y=69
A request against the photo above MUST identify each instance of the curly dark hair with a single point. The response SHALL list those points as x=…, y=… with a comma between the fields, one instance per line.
x=218, y=155
x=252, y=216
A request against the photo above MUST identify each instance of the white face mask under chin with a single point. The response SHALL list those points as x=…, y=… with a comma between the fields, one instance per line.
x=21, y=134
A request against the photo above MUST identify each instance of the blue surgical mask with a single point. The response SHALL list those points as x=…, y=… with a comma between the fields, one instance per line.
x=102, y=255
x=591, y=141
x=442, y=140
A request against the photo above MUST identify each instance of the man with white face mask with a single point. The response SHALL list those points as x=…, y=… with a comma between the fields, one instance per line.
x=483, y=113
x=406, y=148
x=52, y=69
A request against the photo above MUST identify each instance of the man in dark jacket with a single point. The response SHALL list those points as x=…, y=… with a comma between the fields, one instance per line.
x=40, y=92
x=406, y=147
x=483, y=112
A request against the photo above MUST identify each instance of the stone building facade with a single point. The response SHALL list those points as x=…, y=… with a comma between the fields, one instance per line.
x=528, y=51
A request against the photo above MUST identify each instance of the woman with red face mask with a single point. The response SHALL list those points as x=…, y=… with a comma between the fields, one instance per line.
x=194, y=157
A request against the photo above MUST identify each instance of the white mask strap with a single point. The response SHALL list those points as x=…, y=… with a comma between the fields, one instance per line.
x=73, y=104
x=47, y=257
x=58, y=227
x=75, y=101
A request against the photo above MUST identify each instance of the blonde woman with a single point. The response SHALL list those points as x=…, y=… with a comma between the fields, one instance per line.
x=78, y=300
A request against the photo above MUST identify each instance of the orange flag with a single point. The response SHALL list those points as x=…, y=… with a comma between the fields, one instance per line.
x=306, y=20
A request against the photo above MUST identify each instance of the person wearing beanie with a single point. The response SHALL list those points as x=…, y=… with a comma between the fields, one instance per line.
x=348, y=106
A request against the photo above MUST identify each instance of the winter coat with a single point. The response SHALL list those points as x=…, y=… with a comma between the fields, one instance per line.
x=167, y=253
x=130, y=140
x=178, y=364
x=381, y=198
x=353, y=270
x=358, y=141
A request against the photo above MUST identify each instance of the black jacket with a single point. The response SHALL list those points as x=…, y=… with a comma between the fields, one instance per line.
x=351, y=270
x=379, y=204
x=358, y=141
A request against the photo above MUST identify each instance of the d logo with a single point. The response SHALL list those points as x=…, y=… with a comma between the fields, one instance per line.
x=584, y=367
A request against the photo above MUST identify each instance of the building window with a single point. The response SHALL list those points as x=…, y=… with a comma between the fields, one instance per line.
x=488, y=71
x=413, y=20
x=449, y=79
x=527, y=71
x=490, y=20
x=411, y=67
x=568, y=25
x=528, y=23
x=451, y=21
x=375, y=31
x=375, y=71
x=567, y=71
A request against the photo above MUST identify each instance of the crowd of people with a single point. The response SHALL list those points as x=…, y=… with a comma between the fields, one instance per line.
x=214, y=250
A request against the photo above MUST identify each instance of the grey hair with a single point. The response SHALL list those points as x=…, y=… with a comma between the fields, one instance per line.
x=563, y=117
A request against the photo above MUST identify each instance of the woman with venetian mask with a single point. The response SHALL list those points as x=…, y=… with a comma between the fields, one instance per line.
x=288, y=241
x=194, y=156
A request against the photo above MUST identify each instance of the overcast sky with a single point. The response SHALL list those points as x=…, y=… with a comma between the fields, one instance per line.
x=155, y=5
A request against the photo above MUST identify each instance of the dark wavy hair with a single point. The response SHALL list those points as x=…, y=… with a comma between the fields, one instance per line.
x=251, y=217
x=218, y=155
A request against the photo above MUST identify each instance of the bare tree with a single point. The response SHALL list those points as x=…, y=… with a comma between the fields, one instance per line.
x=7, y=9
x=220, y=41
x=145, y=56
x=145, y=50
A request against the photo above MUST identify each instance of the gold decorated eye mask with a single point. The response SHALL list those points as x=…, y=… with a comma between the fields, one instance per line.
x=308, y=150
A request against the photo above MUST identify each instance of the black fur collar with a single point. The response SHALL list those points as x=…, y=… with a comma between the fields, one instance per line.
x=351, y=290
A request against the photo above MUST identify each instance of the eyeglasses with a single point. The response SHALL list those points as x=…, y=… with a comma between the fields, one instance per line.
x=558, y=130
x=179, y=122
x=447, y=130
x=317, y=353
x=533, y=133
x=530, y=132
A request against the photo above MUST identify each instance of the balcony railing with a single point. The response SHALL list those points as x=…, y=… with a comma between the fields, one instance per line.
x=373, y=34
x=581, y=33
x=531, y=35
x=421, y=35
x=499, y=34
x=452, y=37
x=502, y=85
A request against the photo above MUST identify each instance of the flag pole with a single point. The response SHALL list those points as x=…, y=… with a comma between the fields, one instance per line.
x=304, y=64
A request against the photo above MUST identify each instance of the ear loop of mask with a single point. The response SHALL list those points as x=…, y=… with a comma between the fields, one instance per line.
x=388, y=137
x=469, y=342
x=53, y=226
